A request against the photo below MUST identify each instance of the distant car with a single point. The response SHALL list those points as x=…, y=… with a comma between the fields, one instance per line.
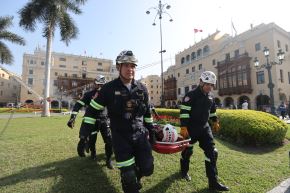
x=10, y=105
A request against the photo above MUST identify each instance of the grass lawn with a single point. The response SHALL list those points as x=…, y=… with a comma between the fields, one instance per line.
x=38, y=155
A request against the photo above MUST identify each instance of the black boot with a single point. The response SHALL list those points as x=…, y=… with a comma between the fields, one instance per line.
x=81, y=148
x=109, y=163
x=184, y=167
x=215, y=185
x=93, y=155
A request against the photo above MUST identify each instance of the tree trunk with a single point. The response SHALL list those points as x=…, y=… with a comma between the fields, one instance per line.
x=46, y=102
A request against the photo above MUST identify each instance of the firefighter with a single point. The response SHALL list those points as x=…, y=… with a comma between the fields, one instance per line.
x=195, y=111
x=88, y=138
x=131, y=123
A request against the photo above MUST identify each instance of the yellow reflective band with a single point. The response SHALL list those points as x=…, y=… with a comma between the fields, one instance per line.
x=74, y=113
x=95, y=105
x=184, y=116
x=212, y=115
x=89, y=120
x=148, y=120
x=207, y=159
x=94, y=132
x=81, y=102
x=184, y=107
x=126, y=163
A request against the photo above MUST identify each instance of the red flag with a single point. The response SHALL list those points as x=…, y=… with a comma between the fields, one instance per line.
x=197, y=30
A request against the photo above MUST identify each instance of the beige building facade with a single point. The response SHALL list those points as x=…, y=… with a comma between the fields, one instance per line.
x=9, y=89
x=232, y=59
x=153, y=84
x=67, y=71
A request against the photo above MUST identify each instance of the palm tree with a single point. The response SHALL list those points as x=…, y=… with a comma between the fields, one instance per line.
x=53, y=14
x=6, y=56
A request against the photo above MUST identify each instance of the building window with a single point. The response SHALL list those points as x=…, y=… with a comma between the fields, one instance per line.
x=84, y=63
x=1, y=93
x=100, y=70
x=257, y=47
x=206, y=50
x=187, y=59
x=237, y=53
x=178, y=91
x=260, y=77
x=62, y=66
x=213, y=62
x=178, y=75
x=228, y=57
x=75, y=67
x=288, y=77
x=281, y=76
x=187, y=71
x=193, y=56
x=42, y=63
x=199, y=53
x=65, y=74
x=100, y=64
x=55, y=73
x=193, y=69
x=286, y=47
x=30, y=81
x=278, y=44
x=74, y=75
x=182, y=60
x=200, y=67
x=186, y=89
x=30, y=71
x=62, y=59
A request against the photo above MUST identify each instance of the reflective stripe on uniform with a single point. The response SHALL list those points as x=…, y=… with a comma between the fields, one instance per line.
x=207, y=159
x=182, y=116
x=126, y=163
x=148, y=120
x=74, y=113
x=81, y=102
x=95, y=105
x=89, y=120
x=184, y=107
x=212, y=115
x=94, y=132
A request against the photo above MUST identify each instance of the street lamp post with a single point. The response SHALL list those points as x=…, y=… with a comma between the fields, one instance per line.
x=161, y=9
x=268, y=66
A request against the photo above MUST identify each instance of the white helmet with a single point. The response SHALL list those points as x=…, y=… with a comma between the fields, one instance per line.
x=126, y=56
x=169, y=133
x=100, y=79
x=208, y=77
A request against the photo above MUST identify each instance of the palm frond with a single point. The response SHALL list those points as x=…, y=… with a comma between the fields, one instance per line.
x=5, y=54
x=12, y=37
x=5, y=22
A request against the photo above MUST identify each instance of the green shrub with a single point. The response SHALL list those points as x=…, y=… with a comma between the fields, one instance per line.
x=251, y=127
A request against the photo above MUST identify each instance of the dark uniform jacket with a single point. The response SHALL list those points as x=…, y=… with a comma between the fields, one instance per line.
x=196, y=109
x=128, y=110
x=85, y=102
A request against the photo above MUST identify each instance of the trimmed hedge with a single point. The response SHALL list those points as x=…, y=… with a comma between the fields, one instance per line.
x=245, y=127
x=249, y=127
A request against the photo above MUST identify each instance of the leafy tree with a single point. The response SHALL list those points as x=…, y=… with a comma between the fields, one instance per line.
x=53, y=14
x=6, y=56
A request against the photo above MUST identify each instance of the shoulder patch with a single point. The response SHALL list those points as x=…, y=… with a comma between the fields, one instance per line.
x=186, y=99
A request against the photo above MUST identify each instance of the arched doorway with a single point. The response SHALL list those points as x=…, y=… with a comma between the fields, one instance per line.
x=217, y=102
x=229, y=101
x=263, y=103
x=242, y=99
x=54, y=104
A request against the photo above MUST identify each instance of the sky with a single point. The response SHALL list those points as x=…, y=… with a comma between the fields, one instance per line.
x=106, y=27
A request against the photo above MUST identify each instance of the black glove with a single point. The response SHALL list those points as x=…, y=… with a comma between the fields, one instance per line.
x=152, y=136
x=71, y=122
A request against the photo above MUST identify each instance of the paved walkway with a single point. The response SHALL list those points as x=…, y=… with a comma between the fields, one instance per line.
x=284, y=187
